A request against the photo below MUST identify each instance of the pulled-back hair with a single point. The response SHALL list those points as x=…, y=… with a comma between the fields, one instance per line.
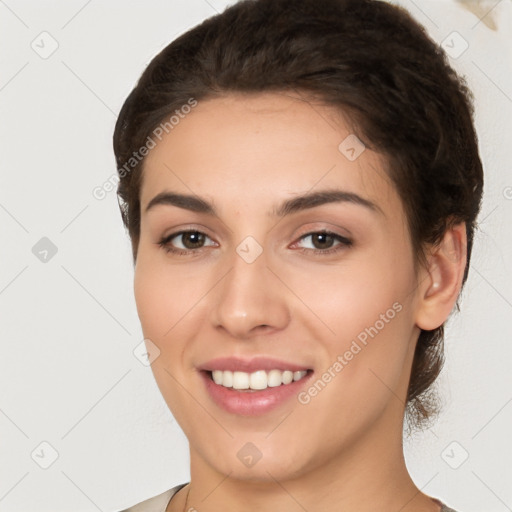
x=374, y=63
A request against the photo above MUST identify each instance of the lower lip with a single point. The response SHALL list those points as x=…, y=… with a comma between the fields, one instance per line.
x=252, y=402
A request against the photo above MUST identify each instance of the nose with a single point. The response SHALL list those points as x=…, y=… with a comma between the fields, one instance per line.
x=250, y=300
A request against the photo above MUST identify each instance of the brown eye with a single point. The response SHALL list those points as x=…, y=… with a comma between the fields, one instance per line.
x=184, y=241
x=192, y=239
x=322, y=240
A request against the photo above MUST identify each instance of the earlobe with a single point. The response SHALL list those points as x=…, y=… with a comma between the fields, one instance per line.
x=441, y=282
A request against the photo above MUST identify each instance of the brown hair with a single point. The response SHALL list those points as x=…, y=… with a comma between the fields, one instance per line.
x=373, y=62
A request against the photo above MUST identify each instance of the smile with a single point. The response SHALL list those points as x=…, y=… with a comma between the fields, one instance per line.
x=257, y=380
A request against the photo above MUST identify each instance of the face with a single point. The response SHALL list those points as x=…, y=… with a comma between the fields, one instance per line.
x=269, y=253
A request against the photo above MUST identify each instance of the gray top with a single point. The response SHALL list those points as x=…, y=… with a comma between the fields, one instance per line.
x=159, y=503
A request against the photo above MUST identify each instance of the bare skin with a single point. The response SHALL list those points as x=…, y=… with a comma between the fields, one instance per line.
x=304, y=299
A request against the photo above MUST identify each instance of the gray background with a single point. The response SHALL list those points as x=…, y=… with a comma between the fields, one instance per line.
x=82, y=424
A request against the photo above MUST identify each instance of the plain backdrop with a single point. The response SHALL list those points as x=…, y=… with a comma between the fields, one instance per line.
x=82, y=424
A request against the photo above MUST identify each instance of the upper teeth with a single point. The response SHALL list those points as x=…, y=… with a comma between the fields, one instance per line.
x=256, y=380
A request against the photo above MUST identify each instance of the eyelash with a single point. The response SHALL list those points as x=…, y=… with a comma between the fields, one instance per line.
x=344, y=242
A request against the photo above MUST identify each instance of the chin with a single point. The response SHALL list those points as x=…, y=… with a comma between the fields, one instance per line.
x=243, y=460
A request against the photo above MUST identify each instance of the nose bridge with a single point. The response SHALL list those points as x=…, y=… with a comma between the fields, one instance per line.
x=249, y=296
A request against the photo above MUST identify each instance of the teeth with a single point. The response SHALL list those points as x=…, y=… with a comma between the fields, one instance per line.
x=227, y=379
x=257, y=380
x=274, y=378
x=240, y=380
x=287, y=377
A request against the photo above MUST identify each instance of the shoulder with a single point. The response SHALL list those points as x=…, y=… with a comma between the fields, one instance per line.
x=156, y=503
x=159, y=503
x=445, y=508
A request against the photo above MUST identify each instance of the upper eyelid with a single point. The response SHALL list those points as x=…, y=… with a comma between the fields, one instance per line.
x=337, y=233
x=186, y=229
x=176, y=234
x=325, y=232
x=340, y=238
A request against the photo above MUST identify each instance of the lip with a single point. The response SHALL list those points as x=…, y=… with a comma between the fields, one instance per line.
x=251, y=402
x=250, y=365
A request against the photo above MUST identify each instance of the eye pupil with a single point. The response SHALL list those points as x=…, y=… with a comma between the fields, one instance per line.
x=193, y=239
x=322, y=240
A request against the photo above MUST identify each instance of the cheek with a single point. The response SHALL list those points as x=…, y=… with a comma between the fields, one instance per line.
x=149, y=298
x=162, y=305
x=364, y=317
x=164, y=295
x=342, y=301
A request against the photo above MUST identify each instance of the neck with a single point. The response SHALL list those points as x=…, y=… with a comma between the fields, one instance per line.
x=368, y=474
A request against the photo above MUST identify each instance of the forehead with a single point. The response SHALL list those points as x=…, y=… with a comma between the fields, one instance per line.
x=252, y=148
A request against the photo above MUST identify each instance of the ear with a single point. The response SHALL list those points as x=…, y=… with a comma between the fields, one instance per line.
x=441, y=281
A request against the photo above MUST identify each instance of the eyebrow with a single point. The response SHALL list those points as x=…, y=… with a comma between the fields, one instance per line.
x=296, y=204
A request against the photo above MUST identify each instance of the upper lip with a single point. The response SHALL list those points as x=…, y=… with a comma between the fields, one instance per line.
x=250, y=365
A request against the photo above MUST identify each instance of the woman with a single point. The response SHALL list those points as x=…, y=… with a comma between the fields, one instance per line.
x=300, y=181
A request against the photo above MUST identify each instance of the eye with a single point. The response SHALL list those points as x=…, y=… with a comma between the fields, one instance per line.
x=185, y=242
x=323, y=242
